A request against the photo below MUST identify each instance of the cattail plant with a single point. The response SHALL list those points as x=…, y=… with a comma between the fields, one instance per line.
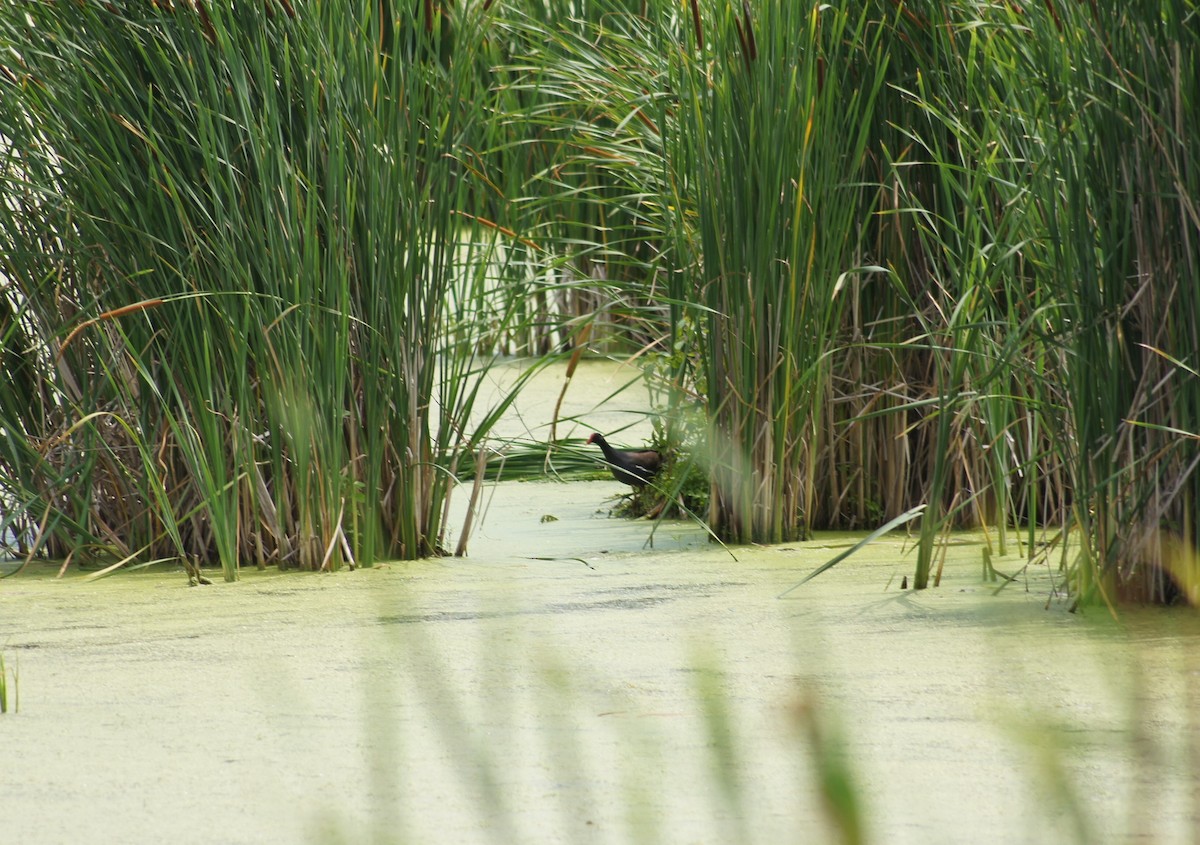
x=232, y=237
x=776, y=101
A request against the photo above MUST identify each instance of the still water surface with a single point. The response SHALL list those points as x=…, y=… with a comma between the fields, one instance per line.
x=566, y=683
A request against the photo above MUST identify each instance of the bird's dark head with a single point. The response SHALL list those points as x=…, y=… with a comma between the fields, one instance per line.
x=593, y=439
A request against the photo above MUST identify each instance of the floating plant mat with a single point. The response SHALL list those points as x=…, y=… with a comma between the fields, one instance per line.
x=564, y=683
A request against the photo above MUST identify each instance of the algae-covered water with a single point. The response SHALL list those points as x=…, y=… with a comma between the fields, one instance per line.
x=567, y=684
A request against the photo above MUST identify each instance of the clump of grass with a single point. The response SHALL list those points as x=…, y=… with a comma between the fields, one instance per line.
x=774, y=171
x=908, y=276
x=244, y=261
x=681, y=488
x=254, y=263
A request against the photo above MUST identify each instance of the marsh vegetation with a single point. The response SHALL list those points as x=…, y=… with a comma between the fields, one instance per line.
x=257, y=259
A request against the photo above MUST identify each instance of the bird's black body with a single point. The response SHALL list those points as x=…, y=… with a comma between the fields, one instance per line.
x=629, y=466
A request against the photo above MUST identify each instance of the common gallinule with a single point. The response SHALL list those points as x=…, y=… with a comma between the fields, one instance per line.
x=634, y=467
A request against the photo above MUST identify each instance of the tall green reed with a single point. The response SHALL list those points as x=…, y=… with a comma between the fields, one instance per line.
x=894, y=310
x=257, y=217
x=1039, y=211
x=775, y=107
x=899, y=255
x=958, y=169
x=584, y=89
x=1120, y=213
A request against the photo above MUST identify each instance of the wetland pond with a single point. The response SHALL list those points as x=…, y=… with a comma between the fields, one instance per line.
x=566, y=683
